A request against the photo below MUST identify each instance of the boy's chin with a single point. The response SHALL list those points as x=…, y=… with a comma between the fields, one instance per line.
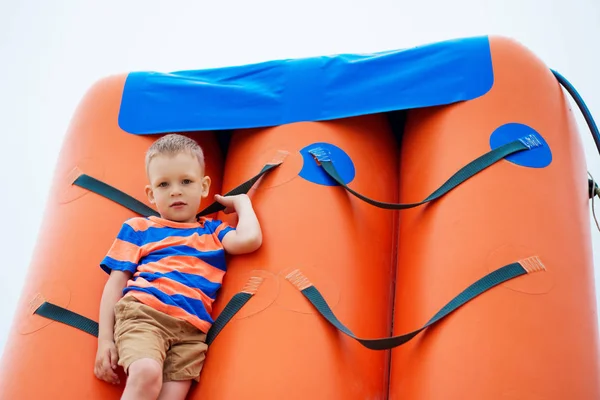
x=188, y=219
x=180, y=216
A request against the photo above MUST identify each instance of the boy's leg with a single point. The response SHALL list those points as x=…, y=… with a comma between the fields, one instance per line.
x=144, y=380
x=142, y=344
x=184, y=362
x=174, y=390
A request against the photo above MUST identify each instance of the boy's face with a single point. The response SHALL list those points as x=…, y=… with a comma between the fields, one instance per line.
x=177, y=184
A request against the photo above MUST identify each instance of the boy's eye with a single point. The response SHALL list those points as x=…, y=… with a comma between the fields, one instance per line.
x=163, y=184
x=187, y=181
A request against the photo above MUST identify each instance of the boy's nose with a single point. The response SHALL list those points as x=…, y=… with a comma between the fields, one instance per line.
x=175, y=191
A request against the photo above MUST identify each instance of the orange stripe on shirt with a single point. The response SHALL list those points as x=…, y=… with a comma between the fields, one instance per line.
x=220, y=228
x=203, y=242
x=185, y=265
x=140, y=224
x=172, y=287
x=173, y=311
x=125, y=251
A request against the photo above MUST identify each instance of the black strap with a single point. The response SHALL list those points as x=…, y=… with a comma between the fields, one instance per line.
x=68, y=317
x=241, y=189
x=122, y=198
x=60, y=314
x=593, y=189
x=486, y=283
x=468, y=171
x=114, y=194
x=233, y=306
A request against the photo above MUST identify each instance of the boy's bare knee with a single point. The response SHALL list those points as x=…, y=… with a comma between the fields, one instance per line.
x=145, y=374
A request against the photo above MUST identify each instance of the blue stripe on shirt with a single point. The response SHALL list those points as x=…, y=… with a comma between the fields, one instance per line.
x=109, y=263
x=130, y=235
x=155, y=234
x=216, y=258
x=224, y=232
x=191, y=306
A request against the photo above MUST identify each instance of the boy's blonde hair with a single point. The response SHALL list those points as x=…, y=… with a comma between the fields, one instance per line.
x=172, y=144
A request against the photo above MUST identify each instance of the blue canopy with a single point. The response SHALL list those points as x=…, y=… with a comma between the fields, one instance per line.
x=310, y=89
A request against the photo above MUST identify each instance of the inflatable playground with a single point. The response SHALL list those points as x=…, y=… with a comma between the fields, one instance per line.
x=425, y=216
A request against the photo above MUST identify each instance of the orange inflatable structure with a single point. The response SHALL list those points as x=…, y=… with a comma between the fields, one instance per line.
x=425, y=228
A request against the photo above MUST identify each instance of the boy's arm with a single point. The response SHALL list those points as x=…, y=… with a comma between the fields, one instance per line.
x=106, y=356
x=112, y=293
x=247, y=237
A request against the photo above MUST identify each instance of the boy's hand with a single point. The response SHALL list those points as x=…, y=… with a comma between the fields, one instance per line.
x=106, y=361
x=232, y=203
x=247, y=237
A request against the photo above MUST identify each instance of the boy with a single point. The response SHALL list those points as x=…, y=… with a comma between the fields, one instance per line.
x=168, y=271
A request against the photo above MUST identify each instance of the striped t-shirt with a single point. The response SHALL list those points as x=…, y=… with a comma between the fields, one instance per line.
x=177, y=267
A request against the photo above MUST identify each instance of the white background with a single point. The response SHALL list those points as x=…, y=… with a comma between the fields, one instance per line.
x=52, y=51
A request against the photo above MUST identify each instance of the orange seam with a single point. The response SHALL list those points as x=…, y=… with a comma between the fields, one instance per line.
x=36, y=302
x=532, y=264
x=279, y=157
x=298, y=279
x=74, y=174
x=252, y=285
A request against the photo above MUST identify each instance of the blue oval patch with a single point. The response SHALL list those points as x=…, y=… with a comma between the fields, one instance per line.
x=538, y=157
x=314, y=173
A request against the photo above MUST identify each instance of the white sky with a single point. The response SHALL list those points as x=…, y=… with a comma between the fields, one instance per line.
x=52, y=51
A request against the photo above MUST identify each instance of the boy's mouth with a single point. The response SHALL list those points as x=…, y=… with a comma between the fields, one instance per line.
x=178, y=203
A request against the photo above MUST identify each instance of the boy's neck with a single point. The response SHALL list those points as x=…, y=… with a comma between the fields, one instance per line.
x=174, y=224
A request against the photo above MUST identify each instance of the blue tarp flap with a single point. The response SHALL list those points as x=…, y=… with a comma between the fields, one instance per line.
x=310, y=89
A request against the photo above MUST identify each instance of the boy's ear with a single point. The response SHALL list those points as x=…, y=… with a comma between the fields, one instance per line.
x=150, y=194
x=205, y=186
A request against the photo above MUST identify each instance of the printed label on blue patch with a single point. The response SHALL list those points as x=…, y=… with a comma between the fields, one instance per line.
x=320, y=154
x=313, y=172
x=530, y=141
x=539, y=154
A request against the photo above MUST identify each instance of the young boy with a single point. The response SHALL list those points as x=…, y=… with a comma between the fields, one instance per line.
x=164, y=275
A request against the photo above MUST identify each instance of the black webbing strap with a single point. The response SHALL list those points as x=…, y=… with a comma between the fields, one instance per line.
x=233, y=306
x=60, y=314
x=122, y=198
x=486, y=283
x=114, y=194
x=68, y=317
x=468, y=171
x=593, y=189
x=241, y=189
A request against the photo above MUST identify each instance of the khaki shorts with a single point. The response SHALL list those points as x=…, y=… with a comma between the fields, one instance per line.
x=143, y=332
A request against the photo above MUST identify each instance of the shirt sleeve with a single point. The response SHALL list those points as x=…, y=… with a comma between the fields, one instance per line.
x=220, y=228
x=124, y=254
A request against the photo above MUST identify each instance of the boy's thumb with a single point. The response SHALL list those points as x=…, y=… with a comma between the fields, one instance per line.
x=113, y=358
